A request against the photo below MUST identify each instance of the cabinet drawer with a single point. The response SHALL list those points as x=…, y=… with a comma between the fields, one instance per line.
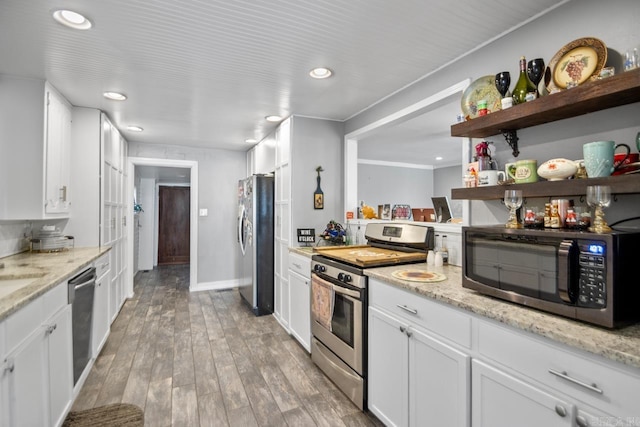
x=102, y=265
x=546, y=363
x=300, y=264
x=430, y=315
x=23, y=322
x=54, y=300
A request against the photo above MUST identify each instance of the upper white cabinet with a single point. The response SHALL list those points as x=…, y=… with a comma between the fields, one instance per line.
x=35, y=129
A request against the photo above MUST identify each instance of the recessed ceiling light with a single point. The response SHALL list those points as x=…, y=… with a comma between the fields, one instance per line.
x=273, y=118
x=134, y=128
x=71, y=19
x=115, y=96
x=320, y=73
x=438, y=158
x=250, y=141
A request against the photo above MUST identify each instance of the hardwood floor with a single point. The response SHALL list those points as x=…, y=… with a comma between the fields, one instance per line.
x=203, y=359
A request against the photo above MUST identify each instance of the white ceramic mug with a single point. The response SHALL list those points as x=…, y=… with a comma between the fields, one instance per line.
x=490, y=177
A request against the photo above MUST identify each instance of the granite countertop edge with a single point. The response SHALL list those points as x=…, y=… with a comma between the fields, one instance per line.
x=306, y=251
x=619, y=345
x=49, y=269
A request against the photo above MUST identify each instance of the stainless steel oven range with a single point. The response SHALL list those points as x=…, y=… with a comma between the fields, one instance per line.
x=339, y=299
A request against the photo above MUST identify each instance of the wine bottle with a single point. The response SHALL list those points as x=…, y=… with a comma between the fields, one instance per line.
x=524, y=85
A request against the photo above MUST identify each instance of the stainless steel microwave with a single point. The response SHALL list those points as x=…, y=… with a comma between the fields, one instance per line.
x=581, y=275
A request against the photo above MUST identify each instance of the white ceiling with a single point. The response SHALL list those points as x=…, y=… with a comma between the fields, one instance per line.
x=205, y=73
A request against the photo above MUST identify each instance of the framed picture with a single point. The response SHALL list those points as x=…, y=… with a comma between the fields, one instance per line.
x=386, y=212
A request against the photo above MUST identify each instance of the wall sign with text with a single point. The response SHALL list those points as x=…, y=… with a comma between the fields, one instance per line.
x=306, y=235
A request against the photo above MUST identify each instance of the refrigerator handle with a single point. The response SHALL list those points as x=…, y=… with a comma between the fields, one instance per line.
x=240, y=230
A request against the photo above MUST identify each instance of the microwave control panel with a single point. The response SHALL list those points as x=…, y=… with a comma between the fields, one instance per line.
x=593, y=274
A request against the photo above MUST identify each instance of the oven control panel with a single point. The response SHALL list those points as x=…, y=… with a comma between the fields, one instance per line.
x=335, y=273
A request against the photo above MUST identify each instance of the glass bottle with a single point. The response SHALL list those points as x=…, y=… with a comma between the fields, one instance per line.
x=524, y=86
x=444, y=250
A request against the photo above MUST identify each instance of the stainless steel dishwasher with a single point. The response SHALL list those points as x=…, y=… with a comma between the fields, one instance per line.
x=81, y=290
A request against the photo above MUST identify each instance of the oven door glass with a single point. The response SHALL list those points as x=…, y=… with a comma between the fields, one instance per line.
x=342, y=321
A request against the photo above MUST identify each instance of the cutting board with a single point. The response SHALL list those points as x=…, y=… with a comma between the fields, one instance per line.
x=367, y=256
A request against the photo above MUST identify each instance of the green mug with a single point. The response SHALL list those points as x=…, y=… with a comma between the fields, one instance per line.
x=526, y=171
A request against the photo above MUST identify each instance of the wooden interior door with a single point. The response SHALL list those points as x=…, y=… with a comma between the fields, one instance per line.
x=174, y=225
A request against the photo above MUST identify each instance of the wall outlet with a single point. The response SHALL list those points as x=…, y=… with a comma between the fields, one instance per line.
x=204, y=212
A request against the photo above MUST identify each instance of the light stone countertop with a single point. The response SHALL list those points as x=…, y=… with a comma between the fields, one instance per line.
x=620, y=345
x=47, y=270
x=306, y=251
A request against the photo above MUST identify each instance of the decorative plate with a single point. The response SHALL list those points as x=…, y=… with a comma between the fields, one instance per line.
x=419, y=276
x=482, y=89
x=577, y=62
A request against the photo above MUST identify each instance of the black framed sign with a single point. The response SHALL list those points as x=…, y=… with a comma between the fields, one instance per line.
x=306, y=235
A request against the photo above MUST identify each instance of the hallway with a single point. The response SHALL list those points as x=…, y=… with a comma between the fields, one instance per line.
x=202, y=359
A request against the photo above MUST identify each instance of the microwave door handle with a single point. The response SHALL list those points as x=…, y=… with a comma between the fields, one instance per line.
x=566, y=271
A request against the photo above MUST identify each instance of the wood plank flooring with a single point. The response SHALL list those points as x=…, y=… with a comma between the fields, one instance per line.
x=203, y=359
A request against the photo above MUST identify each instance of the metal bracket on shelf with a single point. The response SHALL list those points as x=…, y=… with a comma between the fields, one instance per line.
x=511, y=136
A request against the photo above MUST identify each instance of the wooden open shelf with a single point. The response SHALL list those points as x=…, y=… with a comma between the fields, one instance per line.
x=621, y=184
x=621, y=89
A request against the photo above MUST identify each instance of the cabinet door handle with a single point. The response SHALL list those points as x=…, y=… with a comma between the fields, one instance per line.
x=408, y=309
x=582, y=421
x=298, y=266
x=409, y=333
x=403, y=329
x=63, y=193
x=51, y=328
x=560, y=410
x=9, y=366
x=593, y=387
x=124, y=221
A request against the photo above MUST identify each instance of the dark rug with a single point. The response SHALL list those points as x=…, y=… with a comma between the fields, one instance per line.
x=117, y=414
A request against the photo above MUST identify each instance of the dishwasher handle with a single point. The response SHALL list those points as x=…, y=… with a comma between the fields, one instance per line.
x=86, y=278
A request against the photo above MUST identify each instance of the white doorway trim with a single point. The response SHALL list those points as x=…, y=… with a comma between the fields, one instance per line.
x=193, y=231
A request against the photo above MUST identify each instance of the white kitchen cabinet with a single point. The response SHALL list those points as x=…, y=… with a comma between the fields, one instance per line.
x=101, y=318
x=500, y=400
x=35, y=177
x=415, y=378
x=388, y=381
x=299, y=298
x=37, y=370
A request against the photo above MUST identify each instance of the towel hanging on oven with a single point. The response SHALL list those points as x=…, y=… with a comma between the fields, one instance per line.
x=322, y=301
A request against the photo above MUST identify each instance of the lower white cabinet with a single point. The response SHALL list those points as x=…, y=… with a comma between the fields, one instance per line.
x=415, y=378
x=500, y=400
x=101, y=318
x=37, y=372
x=299, y=299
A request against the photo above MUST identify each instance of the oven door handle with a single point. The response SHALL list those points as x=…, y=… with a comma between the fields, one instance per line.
x=343, y=291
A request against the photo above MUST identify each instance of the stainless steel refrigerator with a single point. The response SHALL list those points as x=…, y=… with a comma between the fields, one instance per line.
x=256, y=241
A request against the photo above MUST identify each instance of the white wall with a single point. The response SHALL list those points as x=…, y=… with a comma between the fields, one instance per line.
x=379, y=185
x=444, y=179
x=146, y=219
x=219, y=172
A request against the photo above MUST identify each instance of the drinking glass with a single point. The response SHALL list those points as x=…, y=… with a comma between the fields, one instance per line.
x=599, y=197
x=503, y=80
x=535, y=71
x=513, y=200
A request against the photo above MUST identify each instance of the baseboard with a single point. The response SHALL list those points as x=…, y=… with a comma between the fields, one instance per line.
x=215, y=286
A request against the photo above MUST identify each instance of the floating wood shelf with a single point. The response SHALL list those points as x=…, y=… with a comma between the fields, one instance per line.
x=621, y=89
x=621, y=184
